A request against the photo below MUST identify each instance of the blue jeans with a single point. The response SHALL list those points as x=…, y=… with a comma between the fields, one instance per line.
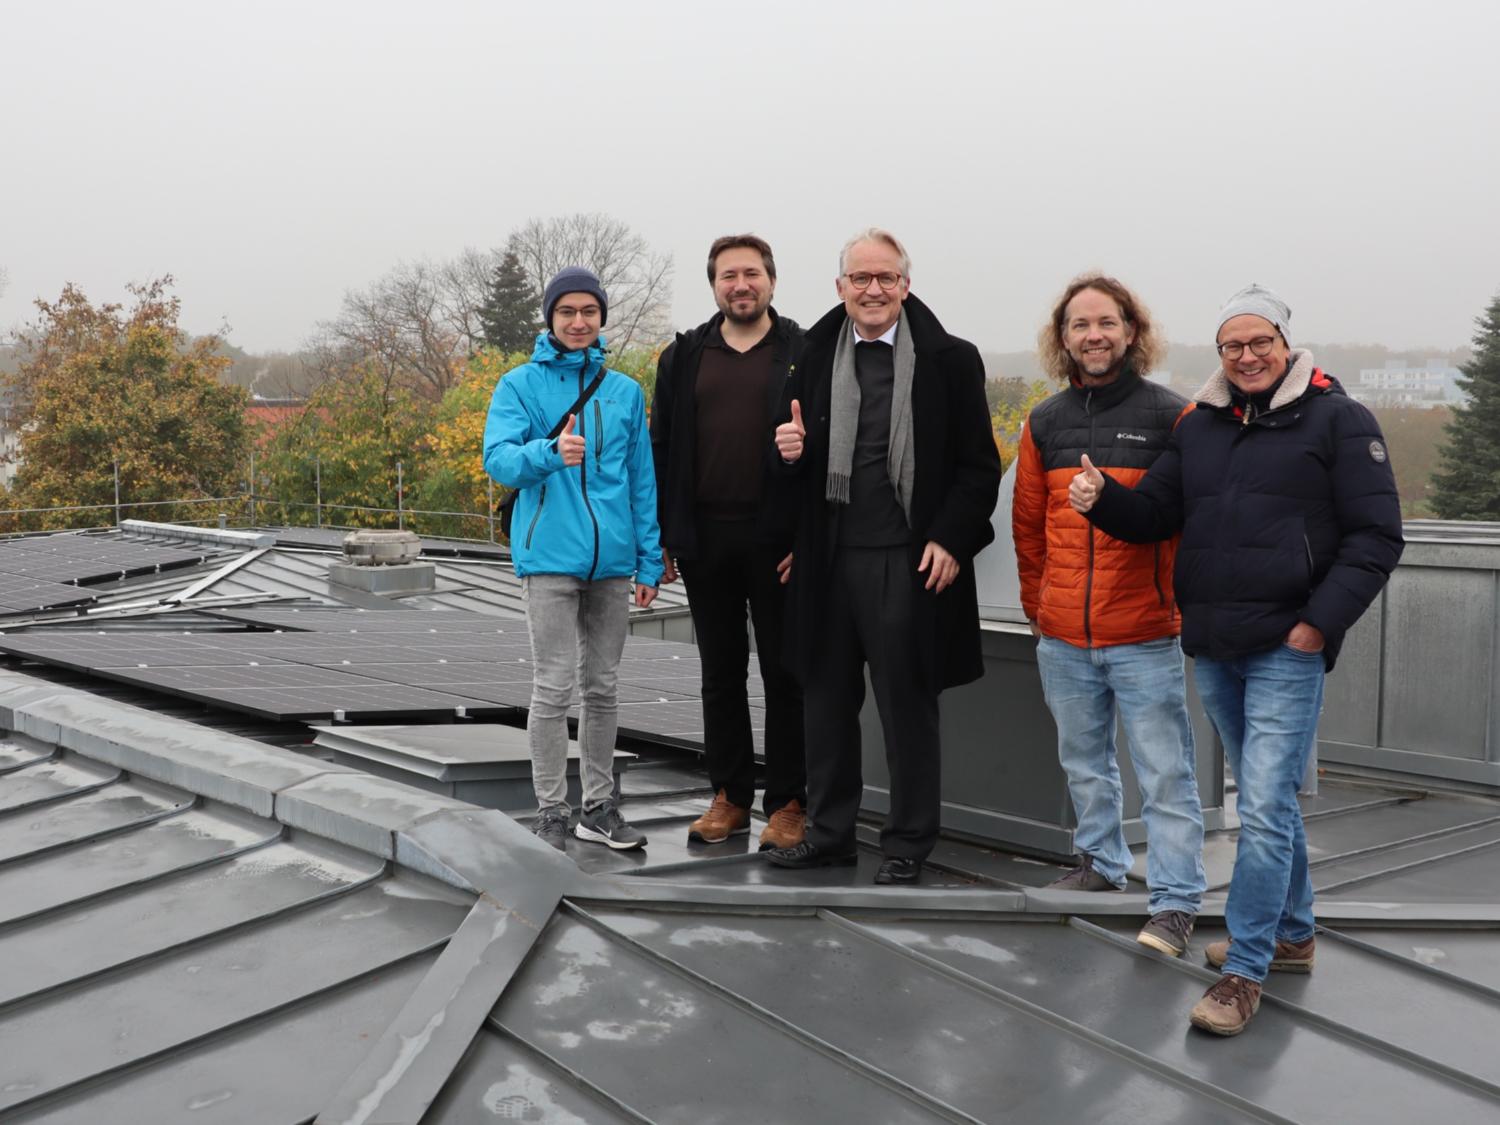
x=1086, y=688
x=1265, y=707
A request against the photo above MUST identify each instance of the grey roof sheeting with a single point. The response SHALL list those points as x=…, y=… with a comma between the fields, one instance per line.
x=483, y=583
x=198, y=928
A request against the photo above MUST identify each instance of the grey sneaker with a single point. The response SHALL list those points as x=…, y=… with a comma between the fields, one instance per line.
x=551, y=827
x=604, y=825
x=1167, y=932
x=1084, y=878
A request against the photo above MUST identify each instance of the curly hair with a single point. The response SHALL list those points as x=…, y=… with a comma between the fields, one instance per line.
x=1144, y=353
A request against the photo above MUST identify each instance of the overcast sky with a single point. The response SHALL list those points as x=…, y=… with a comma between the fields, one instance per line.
x=271, y=155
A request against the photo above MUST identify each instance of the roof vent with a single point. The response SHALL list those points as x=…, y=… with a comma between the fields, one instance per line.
x=381, y=548
x=383, y=562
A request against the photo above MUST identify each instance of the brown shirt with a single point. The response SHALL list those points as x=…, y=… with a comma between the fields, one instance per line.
x=733, y=428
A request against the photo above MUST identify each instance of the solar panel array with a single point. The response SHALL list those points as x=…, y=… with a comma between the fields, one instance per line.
x=46, y=572
x=380, y=664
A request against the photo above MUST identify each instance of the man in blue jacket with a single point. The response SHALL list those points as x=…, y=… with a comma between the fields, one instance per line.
x=1283, y=491
x=584, y=525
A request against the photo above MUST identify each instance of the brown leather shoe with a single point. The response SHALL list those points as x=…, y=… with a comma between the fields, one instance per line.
x=787, y=827
x=1290, y=956
x=722, y=820
x=1227, y=1007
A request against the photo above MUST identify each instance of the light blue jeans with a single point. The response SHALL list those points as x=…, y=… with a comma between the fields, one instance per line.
x=1142, y=684
x=577, y=637
x=1265, y=707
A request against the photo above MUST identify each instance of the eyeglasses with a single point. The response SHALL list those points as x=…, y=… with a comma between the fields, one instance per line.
x=1260, y=346
x=568, y=312
x=861, y=280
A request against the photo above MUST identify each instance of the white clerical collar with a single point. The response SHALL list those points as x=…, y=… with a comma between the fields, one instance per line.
x=886, y=337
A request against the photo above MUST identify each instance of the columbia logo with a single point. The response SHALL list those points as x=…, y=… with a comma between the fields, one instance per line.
x=1123, y=436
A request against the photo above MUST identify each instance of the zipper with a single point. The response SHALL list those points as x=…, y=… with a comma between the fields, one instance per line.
x=536, y=515
x=583, y=480
x=1088, y=582
x=1307, y=546
x=599, y=437
x=1161, y=598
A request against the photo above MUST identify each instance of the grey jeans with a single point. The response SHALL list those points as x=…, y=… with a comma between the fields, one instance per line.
x=577, y=635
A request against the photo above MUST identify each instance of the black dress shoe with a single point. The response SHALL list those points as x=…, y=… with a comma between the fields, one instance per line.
x=807, y=854
x=898, y=869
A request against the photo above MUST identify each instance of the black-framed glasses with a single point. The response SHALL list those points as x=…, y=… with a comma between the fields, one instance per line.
x=887, y=280
x=1260, y=346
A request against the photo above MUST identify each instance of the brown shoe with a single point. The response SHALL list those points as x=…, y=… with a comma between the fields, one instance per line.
x=1227, y=1007
x=722, y=820
x=1290, y=956
x=786, y=829
x=1084, y=878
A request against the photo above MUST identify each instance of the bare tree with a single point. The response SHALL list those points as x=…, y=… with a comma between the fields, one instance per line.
x=418, y=324
x=412, y=325
x=637, y=279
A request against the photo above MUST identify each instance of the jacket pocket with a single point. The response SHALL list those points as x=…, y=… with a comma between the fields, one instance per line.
x=535, y=516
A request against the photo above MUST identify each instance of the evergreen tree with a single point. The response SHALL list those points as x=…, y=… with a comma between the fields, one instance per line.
x=509, y=312
x=1468, y=485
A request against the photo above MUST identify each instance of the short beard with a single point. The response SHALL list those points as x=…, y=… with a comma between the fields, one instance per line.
x=735, y=318
x=1111, y=373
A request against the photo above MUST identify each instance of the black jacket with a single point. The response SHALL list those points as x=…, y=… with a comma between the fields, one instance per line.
x=1291, y=515
x=674, y=436
x=954, y=491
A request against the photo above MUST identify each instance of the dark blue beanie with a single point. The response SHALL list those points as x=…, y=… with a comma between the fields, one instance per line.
x=574, y=279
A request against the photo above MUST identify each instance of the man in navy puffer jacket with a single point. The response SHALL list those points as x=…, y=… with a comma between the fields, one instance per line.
x=1283, y=491
x=583, y=527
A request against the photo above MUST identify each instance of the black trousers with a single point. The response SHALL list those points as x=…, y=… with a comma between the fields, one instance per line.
x=731, y=570
x=871, y=619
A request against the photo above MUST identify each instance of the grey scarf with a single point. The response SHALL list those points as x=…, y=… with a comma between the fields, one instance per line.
x=843, y=420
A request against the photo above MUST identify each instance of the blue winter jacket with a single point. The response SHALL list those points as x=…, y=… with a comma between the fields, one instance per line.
x=594, y=520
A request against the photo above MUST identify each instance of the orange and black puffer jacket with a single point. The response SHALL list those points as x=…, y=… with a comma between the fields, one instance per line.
x=1077, y=583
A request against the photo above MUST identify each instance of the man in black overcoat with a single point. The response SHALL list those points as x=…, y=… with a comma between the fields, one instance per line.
x=888, y=434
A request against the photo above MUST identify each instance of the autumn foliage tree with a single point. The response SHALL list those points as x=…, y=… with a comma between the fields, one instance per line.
x=358, y=435
x=100, y=386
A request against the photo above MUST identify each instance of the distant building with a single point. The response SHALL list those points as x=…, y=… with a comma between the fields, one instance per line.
x=268, y=415
x=1434, y=383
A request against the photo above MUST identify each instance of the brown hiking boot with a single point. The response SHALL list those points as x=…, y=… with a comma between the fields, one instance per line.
x=1083, y=878
x=722, y=820
x=786, y=828
x=1227, y=1007
x=1290, y=956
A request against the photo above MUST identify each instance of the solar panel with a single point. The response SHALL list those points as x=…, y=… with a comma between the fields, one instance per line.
x=343, y=619
x=85, y=559
x=377, y=673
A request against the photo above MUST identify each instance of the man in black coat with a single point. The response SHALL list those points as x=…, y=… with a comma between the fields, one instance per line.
x=889, y=437
x=1283, y=491
x=719, y=388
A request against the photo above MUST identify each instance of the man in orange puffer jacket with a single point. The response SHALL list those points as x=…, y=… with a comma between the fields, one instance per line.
x=1103, y=609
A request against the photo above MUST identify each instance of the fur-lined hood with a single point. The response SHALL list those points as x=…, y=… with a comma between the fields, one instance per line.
x=1218, y=390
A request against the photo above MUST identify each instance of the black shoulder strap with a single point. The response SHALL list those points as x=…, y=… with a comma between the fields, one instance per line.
x=588, y=393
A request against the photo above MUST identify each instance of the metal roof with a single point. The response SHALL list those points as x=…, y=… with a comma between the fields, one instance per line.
x=194, y=927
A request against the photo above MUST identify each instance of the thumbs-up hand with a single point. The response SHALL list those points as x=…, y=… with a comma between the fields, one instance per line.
x=571, y=446
x=1086, y=486
x=789, y=435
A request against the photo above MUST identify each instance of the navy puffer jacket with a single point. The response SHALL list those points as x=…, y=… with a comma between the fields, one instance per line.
x=1291, y=515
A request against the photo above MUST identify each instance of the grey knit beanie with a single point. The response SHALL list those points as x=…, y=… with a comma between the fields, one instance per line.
x=574, y=279
x=1257, y=300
